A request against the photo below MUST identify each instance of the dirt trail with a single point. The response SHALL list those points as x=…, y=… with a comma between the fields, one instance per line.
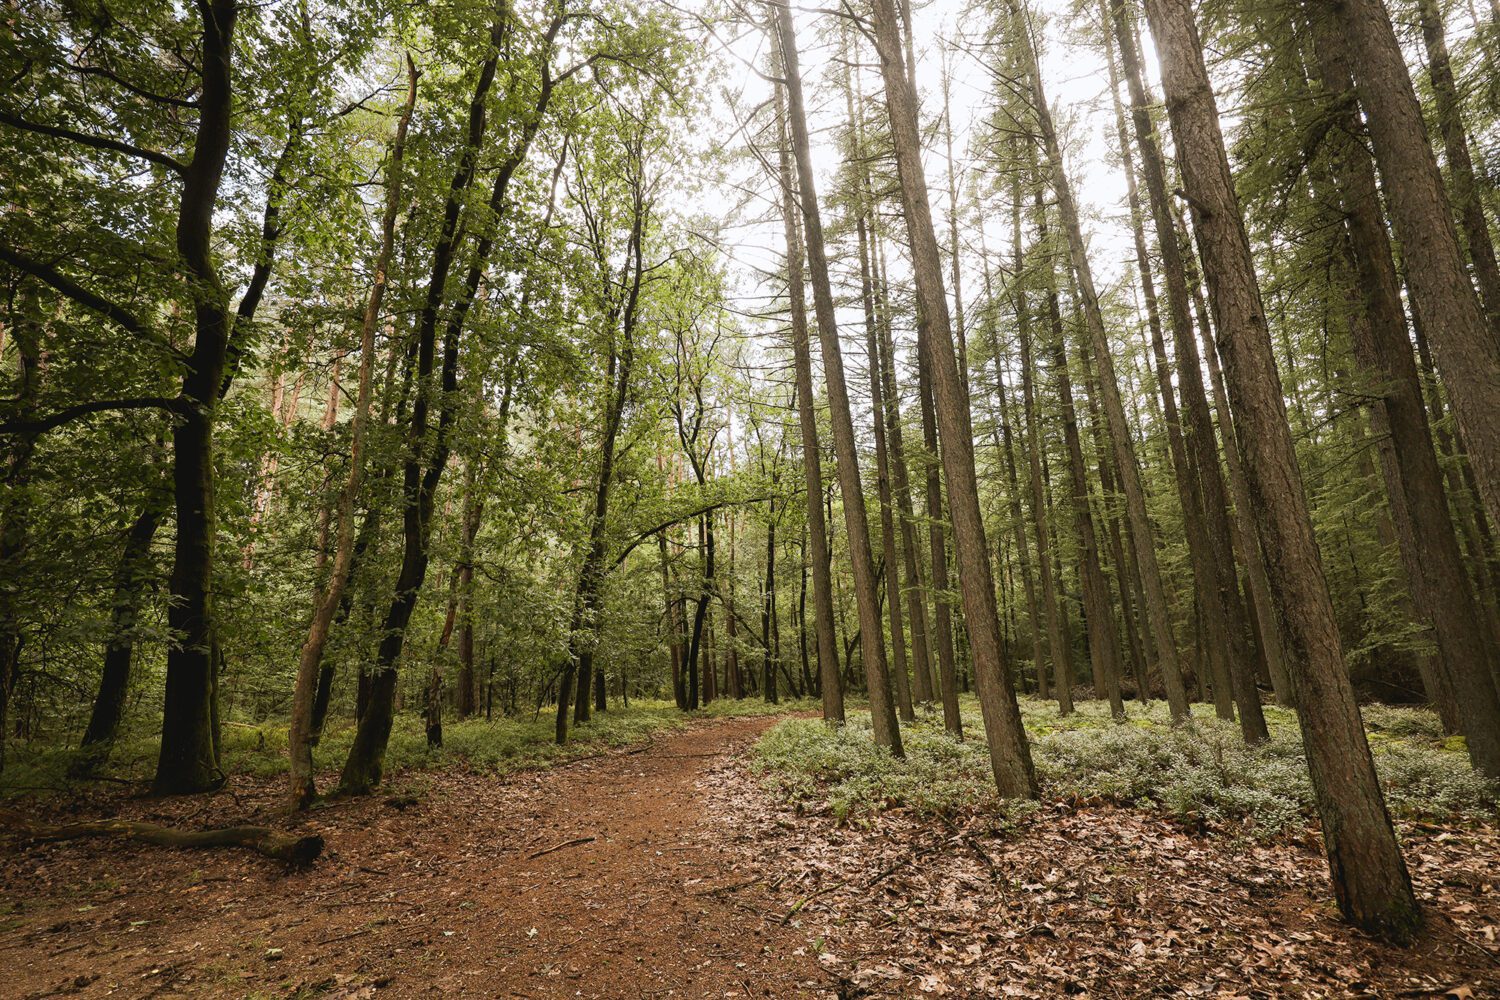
x=450, y=896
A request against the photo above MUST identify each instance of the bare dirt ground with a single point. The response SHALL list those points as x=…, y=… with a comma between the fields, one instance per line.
x=450, y=896
x=666, y=871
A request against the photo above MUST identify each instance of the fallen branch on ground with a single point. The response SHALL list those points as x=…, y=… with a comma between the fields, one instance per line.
x=557, y=847
x=284, y=847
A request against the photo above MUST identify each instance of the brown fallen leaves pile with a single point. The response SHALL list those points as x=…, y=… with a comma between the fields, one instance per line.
x=1095, y=900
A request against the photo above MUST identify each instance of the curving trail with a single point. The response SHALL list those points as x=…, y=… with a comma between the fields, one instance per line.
x=484, y=887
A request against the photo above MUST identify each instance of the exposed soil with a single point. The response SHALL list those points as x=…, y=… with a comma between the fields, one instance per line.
x=666, y=871
x=440, y=897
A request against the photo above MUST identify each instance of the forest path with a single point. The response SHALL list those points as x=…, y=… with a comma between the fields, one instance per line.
x=469, y=892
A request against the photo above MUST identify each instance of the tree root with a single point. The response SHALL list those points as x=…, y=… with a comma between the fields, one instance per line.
x=284, y=847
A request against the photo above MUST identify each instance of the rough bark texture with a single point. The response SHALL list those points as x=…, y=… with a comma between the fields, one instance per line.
x=1010, y=754
x=1369, y=874
x=1142, y=531
x=1467, y=349
x=916, y=585
x=937, y=538
x=866, y=588
x=831, y=690
x=1463, y=190
x=287, y=848
x=366, y=761
x=188, y=761
x=1203, y=477
x=1057, y=643
x=891, y=553
x=303, y=734
x=1104, y=642
x=1419, y=508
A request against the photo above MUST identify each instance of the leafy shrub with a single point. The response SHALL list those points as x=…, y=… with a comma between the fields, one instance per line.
x=498, y=746
x=1203, y=776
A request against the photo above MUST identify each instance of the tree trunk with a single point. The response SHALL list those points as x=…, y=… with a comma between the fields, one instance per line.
x=1114, y=409
x=1062, y=666
x=882, y=476
x=1419, y=508
x=1010, y=754
x=16, y=500
x=188, y=761
x=1463, y=190
x=366, y=761
x=302, y=734
x=916, y=604
x=1246, y=541
x=1467, y=349
x=816, y=554
x=887, y=731
x=1369, y=874
x=1200, y=481
x=937, y=540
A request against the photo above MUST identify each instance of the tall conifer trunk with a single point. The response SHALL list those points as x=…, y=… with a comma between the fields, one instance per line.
x=1369, y=874
x=1010, y=753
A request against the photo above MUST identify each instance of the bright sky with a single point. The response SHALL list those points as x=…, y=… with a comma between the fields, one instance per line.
x=1076, y=80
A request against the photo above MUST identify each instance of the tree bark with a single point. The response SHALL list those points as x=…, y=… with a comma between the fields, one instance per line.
x=284, y=847
x=188, y=759
x=1370, y=879
x=1010, y=754
x=830, y=687
x=302, y=734
x=916, y=585
x=1463, y=190
x=1057, y=644
x=1200, y=479
x=1114, y=409
x=887, y=730
x=1467, y=349
x=1419, y=509
x=366, y=761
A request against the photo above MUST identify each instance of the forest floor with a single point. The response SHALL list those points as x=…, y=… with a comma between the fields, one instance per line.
x=669, y=869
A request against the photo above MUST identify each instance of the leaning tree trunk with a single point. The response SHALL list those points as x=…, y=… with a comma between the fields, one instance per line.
x=1369, y=874
x=916, y=604
x=1142, y=532
x=830, y=687
x=366, y=761
x=1010, y=753
x=303, y=734
x=1199, y=477
x=1467, y=348
x=887, y=730
x=1104, y=641
x=1424, y=530
x=1057, y=644
x=1463, y=189
x=883, y=487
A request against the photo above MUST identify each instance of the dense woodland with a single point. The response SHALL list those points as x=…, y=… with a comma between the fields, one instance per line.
x=367, y=361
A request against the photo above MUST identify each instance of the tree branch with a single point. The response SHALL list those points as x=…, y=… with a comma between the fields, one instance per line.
x=69, y=414
x=73, y=290
x=97, y=142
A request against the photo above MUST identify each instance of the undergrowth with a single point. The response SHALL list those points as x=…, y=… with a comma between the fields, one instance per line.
x=495, y=747
x=1203, y=776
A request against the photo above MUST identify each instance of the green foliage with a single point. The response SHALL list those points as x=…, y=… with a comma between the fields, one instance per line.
x=1204, y=777
x=499, y=746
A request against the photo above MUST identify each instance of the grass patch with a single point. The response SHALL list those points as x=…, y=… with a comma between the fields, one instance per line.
x=1204, y=777
x=496, y=747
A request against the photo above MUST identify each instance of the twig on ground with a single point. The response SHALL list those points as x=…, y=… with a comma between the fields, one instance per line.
x=557, y=847
x=809, y=898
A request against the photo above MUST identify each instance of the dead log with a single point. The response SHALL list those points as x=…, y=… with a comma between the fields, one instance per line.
x=287, y=848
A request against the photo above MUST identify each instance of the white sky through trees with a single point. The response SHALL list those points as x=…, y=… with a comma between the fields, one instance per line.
x=948, y=34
